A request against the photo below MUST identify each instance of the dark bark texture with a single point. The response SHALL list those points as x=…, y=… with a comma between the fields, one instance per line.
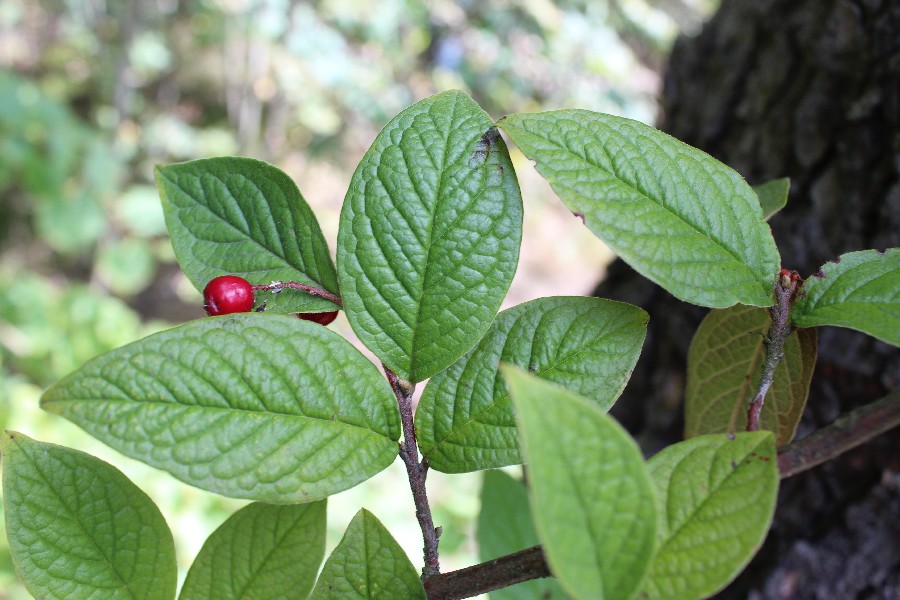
x=808, y=89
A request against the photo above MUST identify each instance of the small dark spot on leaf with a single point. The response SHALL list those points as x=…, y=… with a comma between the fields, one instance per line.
x=334, y=417
x=835, y=260
x=731, y=435
x=733, y=465
x=579, y=215
x=532, y=367
x=483, y=147
x=820, y=274
x=882, y=251
x=499, y=168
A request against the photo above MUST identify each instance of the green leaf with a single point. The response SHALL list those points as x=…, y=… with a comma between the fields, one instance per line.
x=593, y=501
x=859, y=290
x=244, y=217
x=250, y=406
x=724, y=366
x=717, y=496
x=675, y=214
x=78, y=529
x=429, y=235
x=465, y=420
x=262, y=551
x=505, y=526
x=368, y=564
x=773, y=195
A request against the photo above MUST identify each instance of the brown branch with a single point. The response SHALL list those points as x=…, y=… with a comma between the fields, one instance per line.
x=847, y=432
x=277, y=286
x=492, y=575
x=416, y=472
x=785, y=289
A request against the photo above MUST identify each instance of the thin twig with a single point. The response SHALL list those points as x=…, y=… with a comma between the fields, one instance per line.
x=277, y=286
x=785, y=289
x=416, y=473
x=848, y=431
x=489, y=576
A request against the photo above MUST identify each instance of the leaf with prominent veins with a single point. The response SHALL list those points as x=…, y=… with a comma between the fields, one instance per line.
x=675, y=214
x=429, y=235
x=859, y=290
x=251, y=406
x=240, y=216
x=465, y=419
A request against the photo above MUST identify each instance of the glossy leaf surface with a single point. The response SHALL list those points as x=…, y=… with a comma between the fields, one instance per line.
x=240, y=216
x=593, y=501
x=251, y=406
x=262, y=551
x=368, y=564
x=861, y=290
x=675, y=214
x=724, y=365
x=78, y=529
x=429, y=235
x=465, y=419
x=717, y=496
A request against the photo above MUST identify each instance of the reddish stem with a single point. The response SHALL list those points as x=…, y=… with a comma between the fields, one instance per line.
x=277, y=286
x=785, y=288
x=416, y=472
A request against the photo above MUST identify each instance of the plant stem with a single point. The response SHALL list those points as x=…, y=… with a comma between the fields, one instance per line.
x=785, y=289
x=847, y=432
x=489, y=576
x=277, y=286
x=416, y=472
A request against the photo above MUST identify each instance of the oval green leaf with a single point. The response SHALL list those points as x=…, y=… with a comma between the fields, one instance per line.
x=723, y=370
x=78, y=529
x=262, y=551
x=675, y=214
x=465, y=420
x=240, y=216
x=773, y=195
x=859, y=290
x=368, y=564
x=260, y=407
x=505, y=526
x=593, y=501
x=429, y=235
x=717, y=496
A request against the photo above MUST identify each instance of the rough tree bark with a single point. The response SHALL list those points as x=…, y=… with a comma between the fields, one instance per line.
x=810, y=90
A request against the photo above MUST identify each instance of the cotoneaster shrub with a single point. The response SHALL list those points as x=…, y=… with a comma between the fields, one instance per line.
x=255, y=403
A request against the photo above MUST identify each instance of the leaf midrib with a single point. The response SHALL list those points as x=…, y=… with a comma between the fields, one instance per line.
x=246, y=236
x=699, y=507
x=640, y=193
x=437, y=198
x=505, y=397
x=49, y=406
x=76, y=519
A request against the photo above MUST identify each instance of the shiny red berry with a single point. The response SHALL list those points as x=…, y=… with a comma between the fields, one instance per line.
x=322, y=318
x=227, y=294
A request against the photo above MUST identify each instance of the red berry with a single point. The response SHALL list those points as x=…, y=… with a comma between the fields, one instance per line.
x=228, y=294
x=322, y=318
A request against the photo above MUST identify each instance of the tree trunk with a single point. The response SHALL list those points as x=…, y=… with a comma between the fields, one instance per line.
x=809, y=90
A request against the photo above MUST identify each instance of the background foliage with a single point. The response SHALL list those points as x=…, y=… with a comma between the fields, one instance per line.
x=94, y=94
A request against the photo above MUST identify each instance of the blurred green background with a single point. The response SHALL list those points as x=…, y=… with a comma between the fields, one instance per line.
x=93, y=93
